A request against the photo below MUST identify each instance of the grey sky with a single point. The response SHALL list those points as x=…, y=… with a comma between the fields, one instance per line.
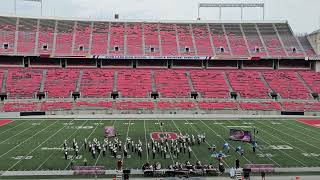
x=303, y=15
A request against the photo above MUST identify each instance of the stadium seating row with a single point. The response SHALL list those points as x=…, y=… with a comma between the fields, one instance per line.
x=79, y=38
x=22, y=83
x=161, y=105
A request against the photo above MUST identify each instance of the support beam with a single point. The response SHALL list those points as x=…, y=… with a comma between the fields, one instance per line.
x=16, y=37
x=159, y=37
x=245, y=40
x=36, y=44
x=109, y=35
x=281, y=42
x=4, y=81
x=55, y=38
x=211, y=41
x=227, y=38
x=43, y=80
x=153, y=81
x=177, y=40
x=143, y=41
x=74, y=36
x=193, y=40
x=79, y=81
x=299, y=43
x=90, y=40
x=125, y=49
x=262, y=40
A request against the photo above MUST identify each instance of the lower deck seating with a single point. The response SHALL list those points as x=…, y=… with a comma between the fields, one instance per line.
x=23, y=83
x=20, y=106
x=172, y=83
x=132, y=105
x=101, y=104
x=215, y=105
x=301, y=106
x=50, y=106
x=261, y=106
x=287, y=84
x=176, y=105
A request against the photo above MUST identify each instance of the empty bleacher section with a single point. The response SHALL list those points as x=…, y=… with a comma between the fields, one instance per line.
x=289, y=41
x=134, y=39
x=183, y=105
x=256, y=46
x=60, y=83
x=134, y=83
x=100, y=38
x=23, y=83
x=306, y=46
x=168, y=40
x=215, y=105
x=64, y=39
x=210, y=84
x=262, y=106
x=134, y=105
x=287, y=84
x=172, y=83
x=51, y=106
x=236, y=39
x=271, y=40
x=19, y=106
x=248, y=84
x=219, y=38
x=94, y=105
x=151, y=39
x=312, y=79
x=96, y=84
x=184, y=33
x=7, y=35
x=202, y=40
x=301, y=106
x=116, y=47
x=26, y=36
x=46, y=36
x=82, y=38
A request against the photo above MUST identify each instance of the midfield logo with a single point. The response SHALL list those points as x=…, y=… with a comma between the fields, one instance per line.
x=164, y=135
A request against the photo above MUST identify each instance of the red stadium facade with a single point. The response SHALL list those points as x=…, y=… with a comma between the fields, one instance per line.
x=79, y=66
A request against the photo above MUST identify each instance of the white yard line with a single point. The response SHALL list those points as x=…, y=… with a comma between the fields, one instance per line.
x=14, y=127
x=267, y=156
x=28, y=139
x=100, y=152
x=17, y=134
x=40, y=166
x=206, y=141
x=38, y=146
x=125, y=144
x=291, y=136
x=83, y=144
x=181, y=133
x=145, y=138
x=224, y=140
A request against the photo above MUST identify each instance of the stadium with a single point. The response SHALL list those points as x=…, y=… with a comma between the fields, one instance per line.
x=111, y=99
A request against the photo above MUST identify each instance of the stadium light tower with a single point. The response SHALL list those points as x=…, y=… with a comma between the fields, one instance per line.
x=15, y=5
x=232, y=5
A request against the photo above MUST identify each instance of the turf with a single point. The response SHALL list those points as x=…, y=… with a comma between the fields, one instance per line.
x=284, y=143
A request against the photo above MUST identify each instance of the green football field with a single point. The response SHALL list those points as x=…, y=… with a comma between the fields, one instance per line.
x=37, y=144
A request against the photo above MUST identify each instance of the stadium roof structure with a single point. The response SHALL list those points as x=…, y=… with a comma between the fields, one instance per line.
x=133, y=39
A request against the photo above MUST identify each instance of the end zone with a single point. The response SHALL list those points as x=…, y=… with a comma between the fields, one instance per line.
x=310, y=122
x=5, y=121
